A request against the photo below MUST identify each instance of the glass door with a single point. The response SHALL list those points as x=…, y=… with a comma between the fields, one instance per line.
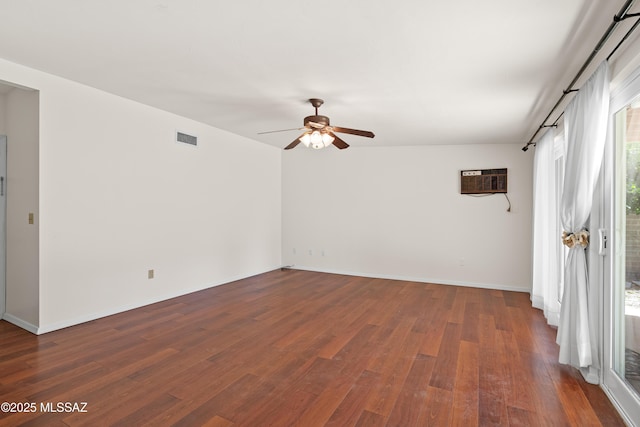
x=621, y=376
x=627, y=289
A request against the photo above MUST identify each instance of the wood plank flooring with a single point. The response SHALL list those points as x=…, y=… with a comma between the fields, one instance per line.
x=296, y=348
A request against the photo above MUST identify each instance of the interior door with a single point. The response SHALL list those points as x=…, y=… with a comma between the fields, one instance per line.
x=3, y=215
x=621, y=373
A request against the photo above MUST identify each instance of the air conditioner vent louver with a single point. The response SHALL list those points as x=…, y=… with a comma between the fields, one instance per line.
x=187, y=139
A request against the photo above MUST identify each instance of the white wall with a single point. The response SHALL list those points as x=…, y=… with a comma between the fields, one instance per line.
x=22, y=273
x=118, y=196
x=398, y=212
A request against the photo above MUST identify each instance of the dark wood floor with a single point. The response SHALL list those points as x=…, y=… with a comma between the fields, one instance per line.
x=301, y=348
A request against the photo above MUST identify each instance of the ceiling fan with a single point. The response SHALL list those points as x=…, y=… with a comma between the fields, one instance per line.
x=319, y=133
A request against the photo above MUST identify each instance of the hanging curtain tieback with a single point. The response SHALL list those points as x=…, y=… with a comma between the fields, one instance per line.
x=572, y=239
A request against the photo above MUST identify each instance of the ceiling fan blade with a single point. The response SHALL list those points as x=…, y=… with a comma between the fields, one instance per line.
x=339, y=142
x=366, y=133
x=281, y=130
x=294, y=143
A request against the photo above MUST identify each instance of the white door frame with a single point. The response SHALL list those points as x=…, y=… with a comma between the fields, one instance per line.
x=3, y=224
x=627, y=403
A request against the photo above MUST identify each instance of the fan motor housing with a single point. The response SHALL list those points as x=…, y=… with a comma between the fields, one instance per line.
x=322, y=120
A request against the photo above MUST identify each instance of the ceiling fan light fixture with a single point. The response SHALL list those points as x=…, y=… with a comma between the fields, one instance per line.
x=305, y=139
x=327, y=139
x=317, y=140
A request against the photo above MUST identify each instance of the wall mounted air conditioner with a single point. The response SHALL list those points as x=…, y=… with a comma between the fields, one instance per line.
x=483, y=181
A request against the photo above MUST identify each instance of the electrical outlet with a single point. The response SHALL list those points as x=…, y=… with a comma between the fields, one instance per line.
x=150, y=274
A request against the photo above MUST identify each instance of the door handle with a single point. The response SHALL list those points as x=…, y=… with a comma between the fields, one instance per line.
x=602, y=246
x=1, y=185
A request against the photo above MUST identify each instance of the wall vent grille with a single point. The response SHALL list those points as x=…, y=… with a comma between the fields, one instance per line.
x=187, y=139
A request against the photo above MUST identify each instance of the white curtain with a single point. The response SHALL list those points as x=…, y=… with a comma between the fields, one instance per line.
x=585, y=120
x=546, y=265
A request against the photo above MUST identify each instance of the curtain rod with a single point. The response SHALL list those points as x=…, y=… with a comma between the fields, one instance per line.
x=619, y=17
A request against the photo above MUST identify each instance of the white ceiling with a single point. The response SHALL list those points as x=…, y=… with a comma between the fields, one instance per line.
x=412, y=71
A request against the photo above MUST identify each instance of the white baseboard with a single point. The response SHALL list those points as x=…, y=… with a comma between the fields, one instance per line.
x=417, y=279
x=20, y=323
